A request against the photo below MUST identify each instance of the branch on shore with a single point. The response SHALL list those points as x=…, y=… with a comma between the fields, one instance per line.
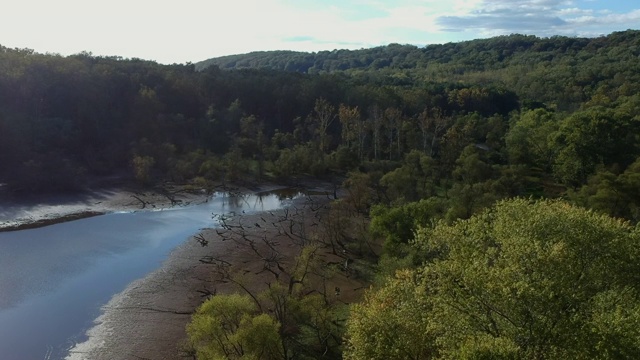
x=142, y=202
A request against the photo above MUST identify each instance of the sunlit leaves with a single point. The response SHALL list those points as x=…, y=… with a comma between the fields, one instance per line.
x=229, y=327
x=533, y=275
x=522, y=280
x=391, y=323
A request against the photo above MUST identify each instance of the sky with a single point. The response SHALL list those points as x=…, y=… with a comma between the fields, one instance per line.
x=183, y=31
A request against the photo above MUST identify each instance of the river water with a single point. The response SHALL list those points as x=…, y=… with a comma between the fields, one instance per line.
x=54, y=279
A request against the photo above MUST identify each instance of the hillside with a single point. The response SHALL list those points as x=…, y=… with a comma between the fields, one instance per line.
x=559, y=71
x=476, y=55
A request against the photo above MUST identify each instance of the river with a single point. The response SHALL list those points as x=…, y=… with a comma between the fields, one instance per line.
x=55, y=279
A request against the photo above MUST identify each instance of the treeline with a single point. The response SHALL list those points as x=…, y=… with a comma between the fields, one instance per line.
x=66, y=117
x=468, y=56
x=559, y=71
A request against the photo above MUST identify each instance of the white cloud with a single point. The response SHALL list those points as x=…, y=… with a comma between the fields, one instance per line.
x=192, y=30
x=574, y=12
x=539, y=17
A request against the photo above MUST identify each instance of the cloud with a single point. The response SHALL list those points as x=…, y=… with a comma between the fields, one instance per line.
x=299, y=38
x=314, y=43
x=193, y=30
x=539, y=17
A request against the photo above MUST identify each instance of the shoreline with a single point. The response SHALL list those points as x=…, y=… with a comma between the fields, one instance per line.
x=21, y=212
x=33, y=211
x=52, y=221
x=148, y=318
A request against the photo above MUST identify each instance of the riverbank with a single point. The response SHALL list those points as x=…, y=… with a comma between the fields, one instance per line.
x=24, y=211
x=148, y=319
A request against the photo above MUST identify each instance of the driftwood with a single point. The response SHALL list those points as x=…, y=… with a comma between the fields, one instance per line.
x=142, y=202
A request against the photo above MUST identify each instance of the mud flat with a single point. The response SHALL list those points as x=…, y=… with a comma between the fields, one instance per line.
x=67, y=270
x=148, y=319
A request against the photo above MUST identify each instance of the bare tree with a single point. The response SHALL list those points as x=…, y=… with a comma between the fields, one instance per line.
x=393, y=120
x=433, y=124
x=324, y=115
x=377, y=120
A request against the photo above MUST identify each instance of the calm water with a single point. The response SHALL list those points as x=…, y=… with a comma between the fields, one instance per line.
x=53, y=280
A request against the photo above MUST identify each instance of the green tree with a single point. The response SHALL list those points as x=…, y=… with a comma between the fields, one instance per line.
x=142, y=166
x=615, y=195
x=596, y=136
x=522, y=280
x=230, y=327
x=397, y=224
x=536, y=280
x=413, y=180
x=529, y=140
x=391, y=322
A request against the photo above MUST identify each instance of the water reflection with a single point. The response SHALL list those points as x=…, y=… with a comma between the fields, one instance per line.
x=54, y=279
x=260, y=200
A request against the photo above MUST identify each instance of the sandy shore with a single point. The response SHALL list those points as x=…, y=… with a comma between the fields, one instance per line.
x=148, y=319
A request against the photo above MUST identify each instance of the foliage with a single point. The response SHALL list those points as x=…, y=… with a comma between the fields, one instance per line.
x=522, y=280
x=287, y=320
x=530, y=139
x=229, y=327
x=420, y=107
x=536, y=280
x=413, y=180
x=391, y=322
x=397, y=225
x=612, y=194
x=142, y=166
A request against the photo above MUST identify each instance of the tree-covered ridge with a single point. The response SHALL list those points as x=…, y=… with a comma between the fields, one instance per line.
x=557, y=70
x=475, y=55
x=498, y=133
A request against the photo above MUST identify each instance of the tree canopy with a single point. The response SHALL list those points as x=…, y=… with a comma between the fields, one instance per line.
x=522, y=280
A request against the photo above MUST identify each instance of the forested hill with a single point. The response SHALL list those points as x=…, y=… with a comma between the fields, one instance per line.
x=476, y=55
x=63, y=118
x=420, y=139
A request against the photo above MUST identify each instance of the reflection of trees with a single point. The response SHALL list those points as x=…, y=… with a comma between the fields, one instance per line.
x=246, y=201
x=236, y=201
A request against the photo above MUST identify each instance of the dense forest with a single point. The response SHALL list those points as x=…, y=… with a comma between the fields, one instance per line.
x=430, y=143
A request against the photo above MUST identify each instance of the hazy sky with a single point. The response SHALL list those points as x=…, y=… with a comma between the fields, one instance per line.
x=194, y=30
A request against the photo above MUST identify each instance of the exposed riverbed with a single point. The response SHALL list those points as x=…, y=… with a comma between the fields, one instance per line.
x=55, y=279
